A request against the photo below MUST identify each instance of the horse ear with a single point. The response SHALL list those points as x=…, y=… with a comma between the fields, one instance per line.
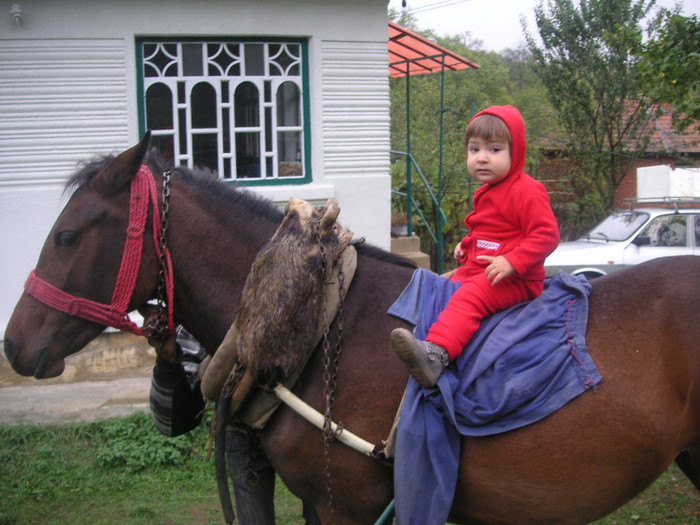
x=119, y=173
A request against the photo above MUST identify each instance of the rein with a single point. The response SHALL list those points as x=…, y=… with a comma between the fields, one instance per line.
x=115, y=314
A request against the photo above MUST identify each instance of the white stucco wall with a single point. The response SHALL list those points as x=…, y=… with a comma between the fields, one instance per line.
x=68, y=92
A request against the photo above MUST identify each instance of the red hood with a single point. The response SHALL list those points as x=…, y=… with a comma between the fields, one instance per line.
x=514, y=120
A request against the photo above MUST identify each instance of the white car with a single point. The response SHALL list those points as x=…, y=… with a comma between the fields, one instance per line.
x=627, y=238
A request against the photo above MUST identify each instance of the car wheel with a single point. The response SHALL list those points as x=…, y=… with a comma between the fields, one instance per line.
x=591, y=275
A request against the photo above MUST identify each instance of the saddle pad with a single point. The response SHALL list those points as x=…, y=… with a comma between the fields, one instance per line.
x=522, y=364
x=258, y=410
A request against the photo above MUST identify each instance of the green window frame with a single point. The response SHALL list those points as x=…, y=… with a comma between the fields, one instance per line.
x=234, y=105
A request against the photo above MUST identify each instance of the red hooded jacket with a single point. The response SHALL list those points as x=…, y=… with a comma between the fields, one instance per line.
x=513, y=217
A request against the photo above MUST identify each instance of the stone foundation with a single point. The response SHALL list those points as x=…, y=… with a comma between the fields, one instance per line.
x=111, y=355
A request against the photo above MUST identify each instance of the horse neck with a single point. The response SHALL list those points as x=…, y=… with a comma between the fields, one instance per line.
x=213, y=247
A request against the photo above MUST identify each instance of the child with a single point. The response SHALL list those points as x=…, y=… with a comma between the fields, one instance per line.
x=511, y=231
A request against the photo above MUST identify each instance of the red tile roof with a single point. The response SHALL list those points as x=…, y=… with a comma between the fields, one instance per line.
x=665, y=139
x=412, y=52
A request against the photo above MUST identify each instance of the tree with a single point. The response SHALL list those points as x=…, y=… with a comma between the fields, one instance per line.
x=588, y=65
x=670, y=66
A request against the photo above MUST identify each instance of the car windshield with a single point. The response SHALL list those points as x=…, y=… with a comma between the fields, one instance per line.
x=619, y=226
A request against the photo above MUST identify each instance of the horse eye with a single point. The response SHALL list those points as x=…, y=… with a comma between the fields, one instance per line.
x=66, y=238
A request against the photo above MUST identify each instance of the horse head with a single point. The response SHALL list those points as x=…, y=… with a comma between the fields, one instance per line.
x=80, y=261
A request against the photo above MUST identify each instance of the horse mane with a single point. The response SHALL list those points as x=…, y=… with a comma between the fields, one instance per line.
x=86, y=172
x=226, y=195
x=206, y=180
x=379, y=254
x=229, y=195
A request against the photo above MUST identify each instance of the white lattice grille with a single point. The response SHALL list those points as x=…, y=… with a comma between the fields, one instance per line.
x=234, y=107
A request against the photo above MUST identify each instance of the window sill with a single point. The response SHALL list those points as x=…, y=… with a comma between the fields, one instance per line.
x=316, y=194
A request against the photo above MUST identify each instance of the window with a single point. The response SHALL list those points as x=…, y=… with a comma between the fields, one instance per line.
x=236, y=107
x=667, y=231
x=618, y=226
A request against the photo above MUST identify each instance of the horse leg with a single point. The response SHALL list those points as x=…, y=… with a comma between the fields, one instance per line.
x=689, y=463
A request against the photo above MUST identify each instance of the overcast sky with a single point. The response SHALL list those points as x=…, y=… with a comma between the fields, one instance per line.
x=495, y=22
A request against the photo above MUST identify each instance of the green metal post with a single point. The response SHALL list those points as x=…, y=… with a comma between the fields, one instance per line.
x=471, y=180
x=438, y=217
x=388, y=514
x=409, y=183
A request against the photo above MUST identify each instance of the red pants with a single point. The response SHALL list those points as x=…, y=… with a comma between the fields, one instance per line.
x=475, y=299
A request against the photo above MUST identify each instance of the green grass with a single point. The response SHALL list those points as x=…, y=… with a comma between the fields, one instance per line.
x=670, y=500
x=115, y=471
x=123, y=471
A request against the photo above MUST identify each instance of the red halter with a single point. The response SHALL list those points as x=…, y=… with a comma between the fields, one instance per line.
x=115, y=314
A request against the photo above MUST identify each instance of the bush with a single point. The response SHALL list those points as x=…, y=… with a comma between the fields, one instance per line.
x=134, y=444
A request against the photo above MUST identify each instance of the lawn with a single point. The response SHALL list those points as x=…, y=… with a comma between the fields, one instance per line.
x=115, y=471
x=123, y=471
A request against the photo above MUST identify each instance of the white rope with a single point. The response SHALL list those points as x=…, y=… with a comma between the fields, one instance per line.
x=314, y=417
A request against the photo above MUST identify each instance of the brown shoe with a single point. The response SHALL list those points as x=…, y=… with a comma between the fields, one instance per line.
x=425, y=360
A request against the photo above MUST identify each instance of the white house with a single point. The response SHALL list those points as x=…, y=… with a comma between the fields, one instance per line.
x=288, y=98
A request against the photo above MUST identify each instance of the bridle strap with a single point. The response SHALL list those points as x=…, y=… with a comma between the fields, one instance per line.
x=77, y=306
x=133, y=246
x=143, y=191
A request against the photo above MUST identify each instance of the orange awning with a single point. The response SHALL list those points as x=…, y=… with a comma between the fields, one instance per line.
x=411, y=52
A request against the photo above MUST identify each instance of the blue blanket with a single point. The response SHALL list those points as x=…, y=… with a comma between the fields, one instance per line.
x=523, y=364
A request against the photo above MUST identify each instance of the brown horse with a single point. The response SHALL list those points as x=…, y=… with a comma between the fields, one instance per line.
x=575, y=466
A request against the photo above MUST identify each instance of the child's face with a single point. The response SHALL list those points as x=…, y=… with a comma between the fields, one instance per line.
x=488, y=160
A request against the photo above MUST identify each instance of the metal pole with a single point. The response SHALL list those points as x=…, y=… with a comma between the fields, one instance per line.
x=387, y=514
x=409, y=183
x=438, y=215
x=471, y=179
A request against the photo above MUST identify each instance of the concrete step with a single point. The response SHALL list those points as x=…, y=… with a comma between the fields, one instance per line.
x=404, y=244
x=409, y=247
x=421, y=259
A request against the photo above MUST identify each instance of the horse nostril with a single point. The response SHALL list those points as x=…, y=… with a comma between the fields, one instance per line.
x=10, y=350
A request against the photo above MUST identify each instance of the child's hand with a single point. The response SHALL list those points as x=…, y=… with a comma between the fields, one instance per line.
x=459, y=253
x=499, y=268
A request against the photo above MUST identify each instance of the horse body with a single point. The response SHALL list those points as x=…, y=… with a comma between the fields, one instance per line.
x=577, y=465
x=607, y=445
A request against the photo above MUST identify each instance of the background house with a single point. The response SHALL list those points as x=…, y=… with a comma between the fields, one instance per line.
x=288, y=98
x=668, y=148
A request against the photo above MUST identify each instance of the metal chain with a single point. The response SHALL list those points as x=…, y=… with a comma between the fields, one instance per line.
x=330, y=372
x=161, y=328
x=327, y=393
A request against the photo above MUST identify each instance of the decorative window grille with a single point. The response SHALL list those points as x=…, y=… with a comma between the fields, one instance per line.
x=236, y=107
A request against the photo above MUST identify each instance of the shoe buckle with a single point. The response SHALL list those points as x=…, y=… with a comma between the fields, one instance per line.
x=441, y=355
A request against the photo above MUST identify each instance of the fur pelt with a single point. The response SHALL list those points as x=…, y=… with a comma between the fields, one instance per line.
x=283, y=296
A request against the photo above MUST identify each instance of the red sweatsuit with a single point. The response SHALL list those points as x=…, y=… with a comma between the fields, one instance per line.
x=512, y=218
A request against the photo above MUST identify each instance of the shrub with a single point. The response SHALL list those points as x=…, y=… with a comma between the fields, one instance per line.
x=134, y=444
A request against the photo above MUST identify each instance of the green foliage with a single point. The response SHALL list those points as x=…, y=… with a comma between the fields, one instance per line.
x=669, y=67
x=52, y=475
x=588, y=65
x=133, y=443
x=404, y=18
